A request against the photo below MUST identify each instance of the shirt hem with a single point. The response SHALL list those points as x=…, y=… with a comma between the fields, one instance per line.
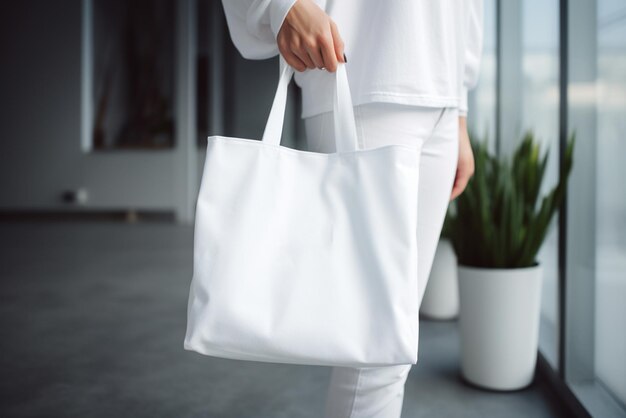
x=309, y=110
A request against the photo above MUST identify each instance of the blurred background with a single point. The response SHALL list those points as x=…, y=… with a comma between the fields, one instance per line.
x=105, y=110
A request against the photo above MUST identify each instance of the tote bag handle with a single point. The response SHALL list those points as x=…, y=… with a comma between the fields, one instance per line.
x=345, y=128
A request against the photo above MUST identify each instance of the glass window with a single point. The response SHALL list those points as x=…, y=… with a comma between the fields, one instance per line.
x=540, y=114
x=481, y=116
x=610, y=303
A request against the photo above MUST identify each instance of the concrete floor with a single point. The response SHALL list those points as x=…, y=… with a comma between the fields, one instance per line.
x=92, y=320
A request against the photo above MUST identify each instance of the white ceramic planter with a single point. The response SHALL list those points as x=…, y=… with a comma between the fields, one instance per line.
x=499, y=325
x=441, y=298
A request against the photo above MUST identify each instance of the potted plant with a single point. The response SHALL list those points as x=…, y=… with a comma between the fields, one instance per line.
x=497, y=226
x=441, y=297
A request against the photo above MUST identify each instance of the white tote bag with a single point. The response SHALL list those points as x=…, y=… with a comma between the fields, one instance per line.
x=303, y=257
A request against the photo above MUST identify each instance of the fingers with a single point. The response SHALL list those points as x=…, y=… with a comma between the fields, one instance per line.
x=296, y=48
x=332, y=48
x=456, y=191
x=304, y=57
x=328, y=53
x=462, y=183
x=286, y=42
x=337, y=42
x=314, y=52
x=455, y=187
x=324, y=52
x=461, y=180
x=294, y=60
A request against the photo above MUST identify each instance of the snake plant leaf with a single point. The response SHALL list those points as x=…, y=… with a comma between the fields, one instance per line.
x=500, y=220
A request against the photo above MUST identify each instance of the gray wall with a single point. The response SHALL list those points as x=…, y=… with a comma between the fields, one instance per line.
x=40, y=120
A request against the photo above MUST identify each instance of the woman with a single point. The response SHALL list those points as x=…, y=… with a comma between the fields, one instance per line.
x=411, y=65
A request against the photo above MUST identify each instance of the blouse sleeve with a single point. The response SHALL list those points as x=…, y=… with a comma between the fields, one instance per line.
x=473, y=51
x=254, y=25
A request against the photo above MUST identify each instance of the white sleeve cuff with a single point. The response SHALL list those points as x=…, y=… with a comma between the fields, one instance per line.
x=278, y=13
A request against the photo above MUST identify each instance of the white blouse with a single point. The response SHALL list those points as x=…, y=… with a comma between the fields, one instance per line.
x=415, y=52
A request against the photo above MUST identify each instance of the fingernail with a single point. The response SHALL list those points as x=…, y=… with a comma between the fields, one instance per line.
x=344, y=58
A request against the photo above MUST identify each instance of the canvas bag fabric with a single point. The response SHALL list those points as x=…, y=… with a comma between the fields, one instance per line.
x=303, y=257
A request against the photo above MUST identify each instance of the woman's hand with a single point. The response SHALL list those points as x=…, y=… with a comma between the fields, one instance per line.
x=465, y=166
x=309, y=38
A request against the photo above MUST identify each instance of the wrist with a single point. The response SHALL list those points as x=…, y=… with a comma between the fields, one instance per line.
x=279, y=13
x=463, y=122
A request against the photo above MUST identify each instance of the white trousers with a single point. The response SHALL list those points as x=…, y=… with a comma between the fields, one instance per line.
x=378, y=392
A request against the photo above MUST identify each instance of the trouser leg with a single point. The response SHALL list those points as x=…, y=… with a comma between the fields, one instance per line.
x=378, y=392
x=366, y=391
